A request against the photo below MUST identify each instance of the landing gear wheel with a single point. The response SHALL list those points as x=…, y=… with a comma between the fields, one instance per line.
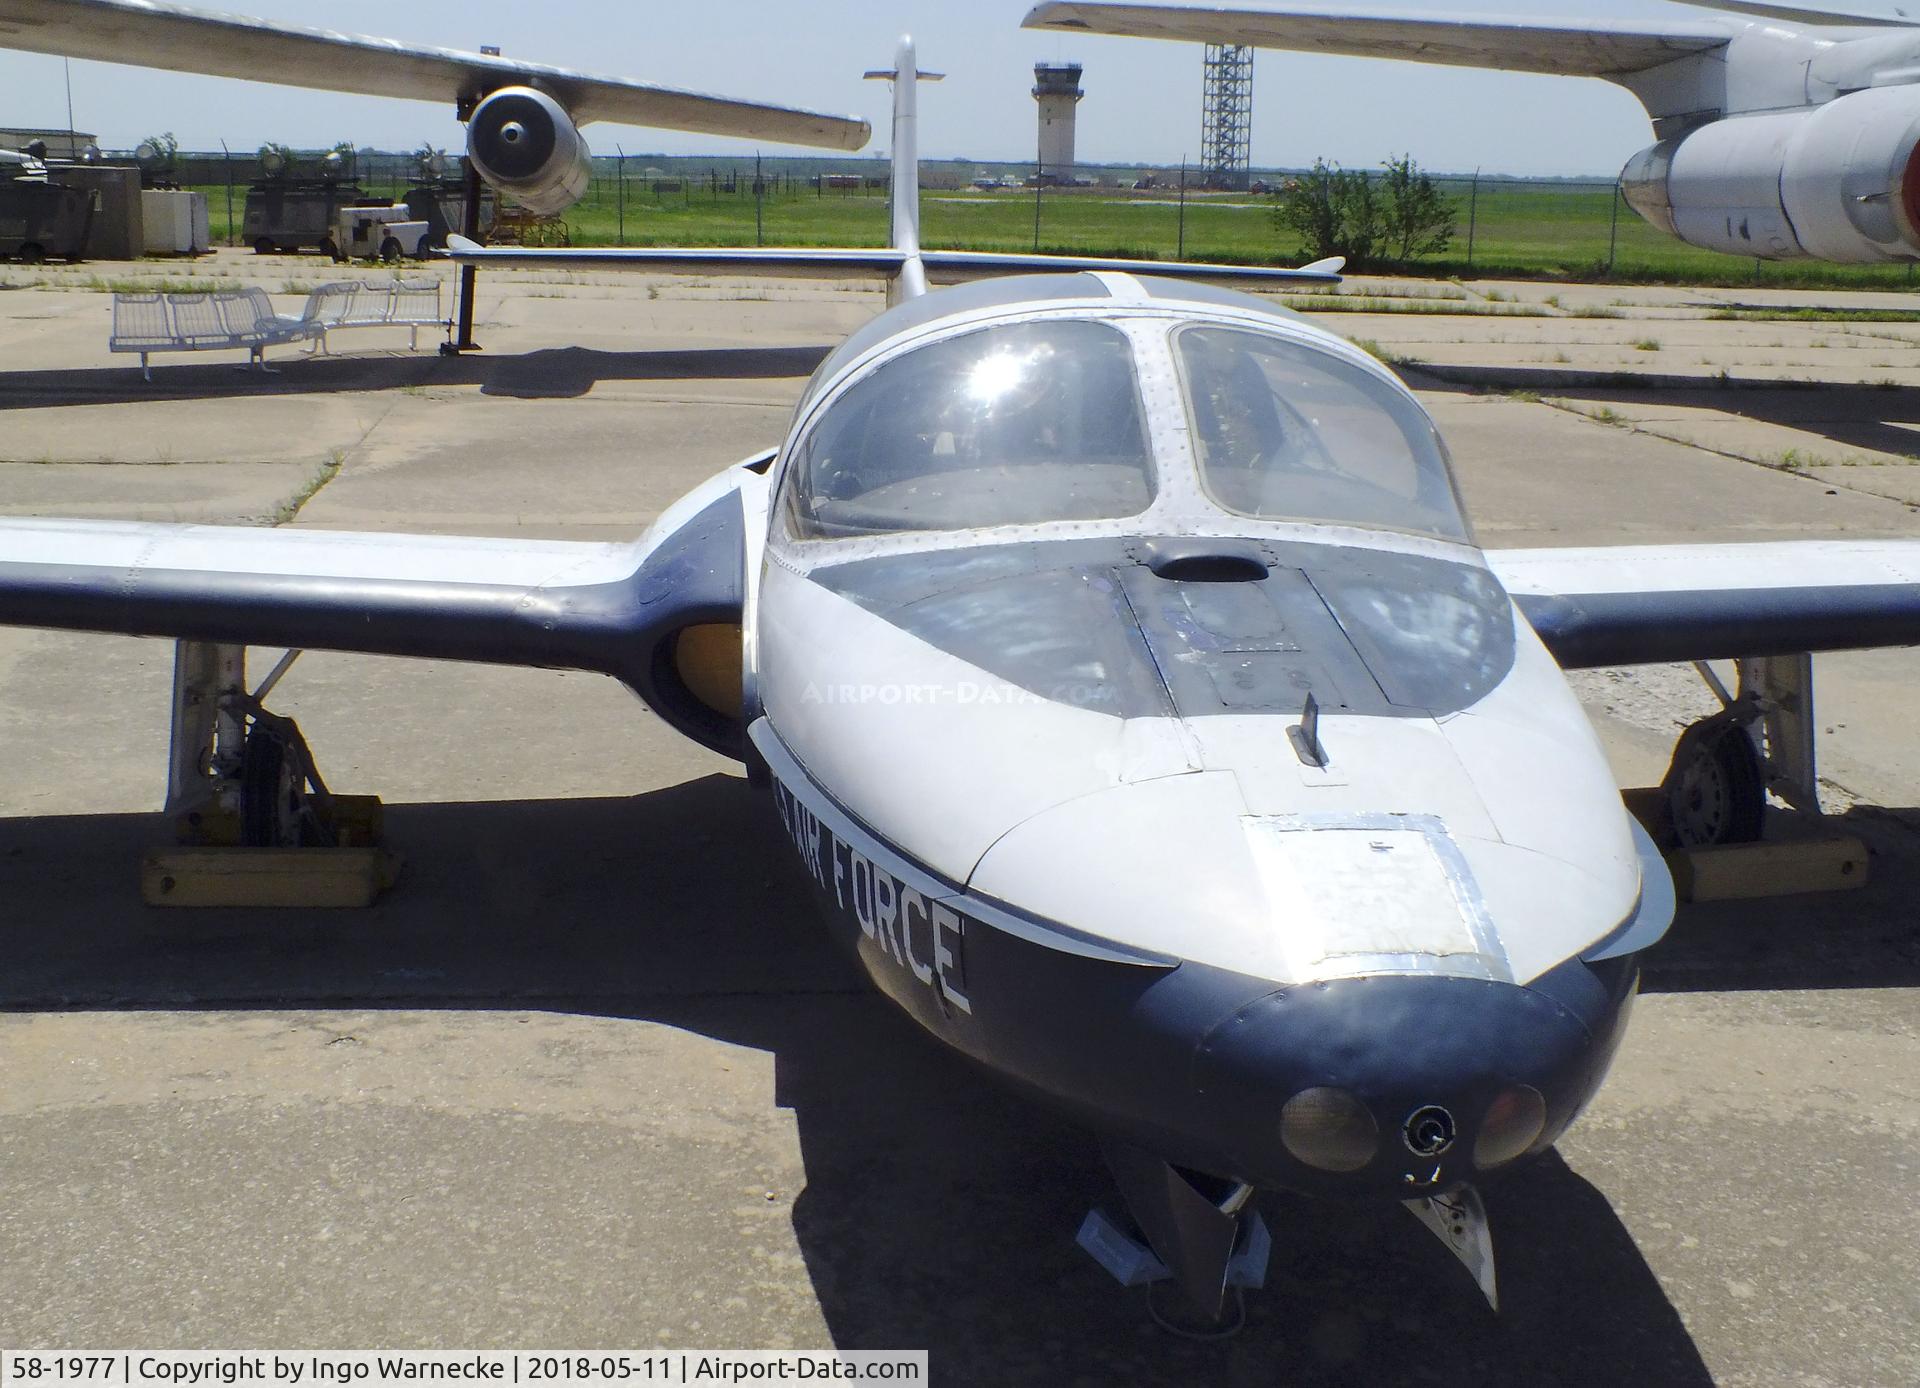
x=1716, y=790
x=269, y=792
x=264, y=246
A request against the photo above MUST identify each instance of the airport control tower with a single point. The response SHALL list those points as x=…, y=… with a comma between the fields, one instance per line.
x=1056, y=87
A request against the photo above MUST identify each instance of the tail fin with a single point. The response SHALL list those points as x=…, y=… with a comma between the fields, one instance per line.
x=904, y=194
x=904, y=264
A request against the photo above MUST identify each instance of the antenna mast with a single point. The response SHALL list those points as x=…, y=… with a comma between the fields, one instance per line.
x=1226, y=116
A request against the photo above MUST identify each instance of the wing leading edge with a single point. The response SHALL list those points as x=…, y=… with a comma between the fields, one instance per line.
x=1571, y=48
x=614, y=609
x=1636, y=605
x=226, y=45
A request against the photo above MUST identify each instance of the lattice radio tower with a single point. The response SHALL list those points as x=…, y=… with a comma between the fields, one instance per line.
x=1226, y=116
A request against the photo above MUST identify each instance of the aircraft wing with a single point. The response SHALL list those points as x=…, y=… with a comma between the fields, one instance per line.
x=1642, y=604
x=875, y=261
x=613, y=609
x=1796, y=14
x=224, y=45
x=1576, y=48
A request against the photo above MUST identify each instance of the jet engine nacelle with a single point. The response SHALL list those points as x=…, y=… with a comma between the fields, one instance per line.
x=1837, y=182
x=523, y=143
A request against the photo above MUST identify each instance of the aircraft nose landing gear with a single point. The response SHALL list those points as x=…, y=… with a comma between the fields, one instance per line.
x=1200, y=1240
x=1190, y=1231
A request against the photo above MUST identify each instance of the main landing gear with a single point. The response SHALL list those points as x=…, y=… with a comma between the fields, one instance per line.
x=1196, y=1242
x=1715, y=792
x=259, y=824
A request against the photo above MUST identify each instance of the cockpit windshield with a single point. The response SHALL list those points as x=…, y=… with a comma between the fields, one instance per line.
x=1019, y=424
x=1286, y=431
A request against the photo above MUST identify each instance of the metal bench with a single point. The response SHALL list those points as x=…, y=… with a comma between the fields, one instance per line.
x=228, y=319
x=396, y=303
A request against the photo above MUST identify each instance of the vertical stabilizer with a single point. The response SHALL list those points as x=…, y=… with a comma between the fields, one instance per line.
x=904, y=196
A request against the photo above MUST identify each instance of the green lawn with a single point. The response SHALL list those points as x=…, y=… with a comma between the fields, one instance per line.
x=1521, y=230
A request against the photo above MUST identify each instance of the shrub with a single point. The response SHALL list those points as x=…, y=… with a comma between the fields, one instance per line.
x=1393, y=217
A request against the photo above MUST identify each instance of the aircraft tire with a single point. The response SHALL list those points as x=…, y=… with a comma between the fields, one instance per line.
x=263, y=789
x=1716, y=789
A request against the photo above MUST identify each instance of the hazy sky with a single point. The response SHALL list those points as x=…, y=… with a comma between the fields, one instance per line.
x=1142, y=96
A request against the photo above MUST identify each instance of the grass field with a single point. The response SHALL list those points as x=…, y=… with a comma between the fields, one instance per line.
x=1518, y=230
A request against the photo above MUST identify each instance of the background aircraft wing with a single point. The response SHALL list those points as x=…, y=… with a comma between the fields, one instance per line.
x=1576, y=48
x=1640, y=604
x=224, y=45
x=875, y=261
x=1795, y=14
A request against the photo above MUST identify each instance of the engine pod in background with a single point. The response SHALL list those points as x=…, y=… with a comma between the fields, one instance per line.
x=1852, y=179
x=1837, y=182
x=525, y=145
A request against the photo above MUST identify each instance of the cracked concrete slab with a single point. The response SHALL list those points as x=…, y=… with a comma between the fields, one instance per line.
x=243, y=493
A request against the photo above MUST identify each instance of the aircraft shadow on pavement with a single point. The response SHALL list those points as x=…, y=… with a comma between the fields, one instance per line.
x=557, y=373
x=1849, y=416
x=1867, y=937
x=939, y=1208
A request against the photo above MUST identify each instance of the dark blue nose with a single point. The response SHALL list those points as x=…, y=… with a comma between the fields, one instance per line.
x=1400, y=1084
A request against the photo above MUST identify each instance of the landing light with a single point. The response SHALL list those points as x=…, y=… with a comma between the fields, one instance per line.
x=1512, y=1125
x=1329, y=1129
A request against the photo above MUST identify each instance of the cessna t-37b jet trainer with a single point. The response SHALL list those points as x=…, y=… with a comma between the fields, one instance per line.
x=1252, y=821
x=1783, y=131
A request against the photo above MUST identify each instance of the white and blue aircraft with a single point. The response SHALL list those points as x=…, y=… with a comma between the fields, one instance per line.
x=1141, y=712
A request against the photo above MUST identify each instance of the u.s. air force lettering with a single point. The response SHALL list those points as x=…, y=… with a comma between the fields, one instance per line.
x=925, y=938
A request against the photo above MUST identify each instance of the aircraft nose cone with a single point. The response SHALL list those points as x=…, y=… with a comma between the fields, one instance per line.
x=1396, y=1083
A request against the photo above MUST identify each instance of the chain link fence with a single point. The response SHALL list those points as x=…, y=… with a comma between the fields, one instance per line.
x=1562, y=228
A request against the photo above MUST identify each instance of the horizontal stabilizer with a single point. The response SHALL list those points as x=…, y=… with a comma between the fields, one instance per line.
x=1574, y=48
x=943, y=263
x=876, y=261
x=225, y=45
x=749, y=260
